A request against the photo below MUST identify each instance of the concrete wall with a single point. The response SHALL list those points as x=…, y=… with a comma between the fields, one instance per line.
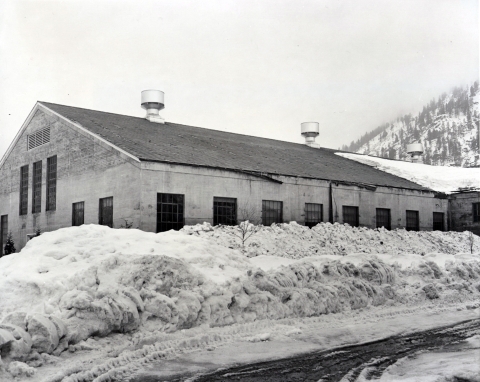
x=200, y=185
x=86, y=171
x=461, y=212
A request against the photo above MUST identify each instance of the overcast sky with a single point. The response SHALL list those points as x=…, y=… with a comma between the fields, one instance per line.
x=252, y=67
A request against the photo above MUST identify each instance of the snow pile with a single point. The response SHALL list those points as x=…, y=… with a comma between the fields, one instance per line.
x=68, y=286
x=294, y=241
x=439, y=178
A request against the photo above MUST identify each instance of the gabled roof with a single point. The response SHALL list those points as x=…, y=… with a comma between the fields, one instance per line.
x=181, y=144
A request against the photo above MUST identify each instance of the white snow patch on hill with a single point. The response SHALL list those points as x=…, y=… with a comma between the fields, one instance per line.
x=438, y=178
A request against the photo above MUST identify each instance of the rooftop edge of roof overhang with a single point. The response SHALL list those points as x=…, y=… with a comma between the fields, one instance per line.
x=269, y=176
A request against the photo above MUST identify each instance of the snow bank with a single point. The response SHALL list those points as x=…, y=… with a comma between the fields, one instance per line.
x=294, y=241
x=68, y=286
x=439, y=178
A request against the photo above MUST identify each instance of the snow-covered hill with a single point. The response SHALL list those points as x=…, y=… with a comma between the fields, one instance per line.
x=438, y=178
x=448, y=128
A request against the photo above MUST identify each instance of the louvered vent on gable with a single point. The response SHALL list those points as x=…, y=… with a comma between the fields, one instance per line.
x=39, y=138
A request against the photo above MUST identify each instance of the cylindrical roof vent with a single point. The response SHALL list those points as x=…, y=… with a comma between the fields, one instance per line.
x=415, y=150
x=153, y=102
x=310, y=131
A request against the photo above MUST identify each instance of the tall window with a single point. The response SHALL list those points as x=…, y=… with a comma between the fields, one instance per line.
x=24, y=190
x=3, y=232
x=350, y=215
x=476, y=212
x=51, y=183
x=383, y=218
x=224, y=211
x=105, y=212
x=272, y=212
x=37, y=187
x=438, y=219
x=170, y=212
x=78, y=213
x=313, y=214
x=413, y=223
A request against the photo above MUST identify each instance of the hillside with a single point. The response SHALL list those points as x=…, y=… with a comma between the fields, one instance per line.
x=447, y=127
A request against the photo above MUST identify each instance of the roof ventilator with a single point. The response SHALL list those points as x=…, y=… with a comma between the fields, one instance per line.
x=153, y=102
x=310, y=131
x=415, y=150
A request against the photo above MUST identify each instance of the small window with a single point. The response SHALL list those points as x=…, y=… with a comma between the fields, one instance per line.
x=51, y=183
x=413, y=223
x=170, y=212
x=438, y=221
x=383, y=218
x=24, y=190
x=105, y=209
x=272, y=212
x=3, y=233
x=476, y=212
x=37, y=187
x=78, y=213
x=224, y=211
x=313, y=214
x=350, y=215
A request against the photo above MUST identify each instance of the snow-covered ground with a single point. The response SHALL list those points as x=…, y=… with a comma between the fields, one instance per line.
x=439, y=178
x=92, y=302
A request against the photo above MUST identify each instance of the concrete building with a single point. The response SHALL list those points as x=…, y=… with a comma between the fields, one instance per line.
x=70, y=166
x=464, y=211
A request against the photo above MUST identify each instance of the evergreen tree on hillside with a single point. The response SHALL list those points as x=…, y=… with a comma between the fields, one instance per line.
x=445, y=125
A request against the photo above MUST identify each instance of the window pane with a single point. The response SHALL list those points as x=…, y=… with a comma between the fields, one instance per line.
x=383, y=218
x=350, y=215
x=37, y=187
x=24, y=190
x=3, y=232
x=224, y=211
x=476, y=212
x=51, y=183
x=272, y=212
x=170, y=209
x=313, y=214
x=412, y=221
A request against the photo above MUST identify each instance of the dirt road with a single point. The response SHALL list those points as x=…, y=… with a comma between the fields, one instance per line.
x=346, y=362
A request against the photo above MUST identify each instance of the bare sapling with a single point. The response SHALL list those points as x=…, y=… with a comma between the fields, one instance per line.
x=249, y=223
x=471, y=240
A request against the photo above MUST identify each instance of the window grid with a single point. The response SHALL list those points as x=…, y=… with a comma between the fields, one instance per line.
x=51, y=183
x=105, y=211
x=224, y=211
x=78, y=213
x=412, y=221
x=313, y=214
x=272, y=212
x=476, y=212
x=170, y=212
x=37, y=187
x=38, y=138
x=384, y=218
x=350, y=215
x=438, y=221
x=24, y=190
x=3, y=233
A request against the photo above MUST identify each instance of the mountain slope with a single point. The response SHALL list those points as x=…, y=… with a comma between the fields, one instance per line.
x=448, y=128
